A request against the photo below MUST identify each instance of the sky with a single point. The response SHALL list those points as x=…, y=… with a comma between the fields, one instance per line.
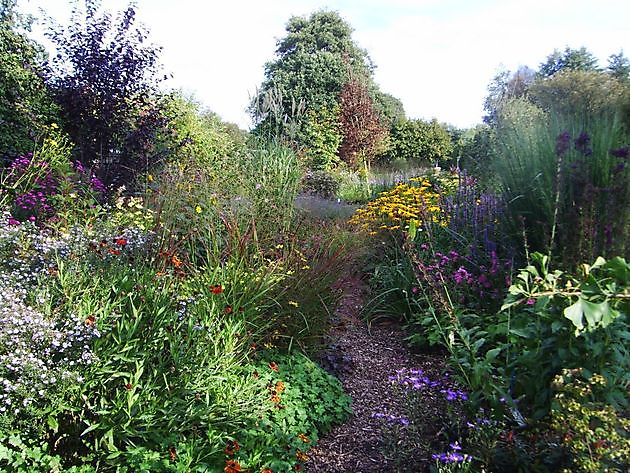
x=436, y=56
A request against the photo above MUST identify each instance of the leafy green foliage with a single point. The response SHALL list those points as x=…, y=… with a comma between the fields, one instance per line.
x=599, y=93
x=25, y=104
x=569, y=59
x=304, y=401
x=314, y=61
x=596, y=437
x=323, y=135
x=420, y=142
x=320, y=183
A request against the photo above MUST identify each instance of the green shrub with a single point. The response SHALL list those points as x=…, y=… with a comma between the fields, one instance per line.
x=419, y=142
x=320, y=183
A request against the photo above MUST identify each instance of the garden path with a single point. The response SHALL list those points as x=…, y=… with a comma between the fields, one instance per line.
x=365, y=443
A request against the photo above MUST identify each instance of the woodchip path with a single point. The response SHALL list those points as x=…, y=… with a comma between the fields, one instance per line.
x=366, y=442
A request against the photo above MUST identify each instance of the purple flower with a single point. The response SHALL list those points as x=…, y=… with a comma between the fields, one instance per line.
x=581, y=144
x=620, y=152
x=97, y=184
x=461, y=275
x=562, y=143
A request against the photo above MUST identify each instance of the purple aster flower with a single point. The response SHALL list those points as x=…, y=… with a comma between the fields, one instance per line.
x=620, y=152
x=581, y=144
x=562, y=143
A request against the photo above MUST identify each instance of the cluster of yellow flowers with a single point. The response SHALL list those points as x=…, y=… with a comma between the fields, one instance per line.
x=414, y=202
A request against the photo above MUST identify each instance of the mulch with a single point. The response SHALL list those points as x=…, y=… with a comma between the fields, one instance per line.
x=370, y=355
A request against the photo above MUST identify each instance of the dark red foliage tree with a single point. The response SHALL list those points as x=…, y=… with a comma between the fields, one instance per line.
x=104, y=77
x=363, y=133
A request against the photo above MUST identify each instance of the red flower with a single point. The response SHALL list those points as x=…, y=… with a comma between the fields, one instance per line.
x=217, y=289
x=273, y=366
x=114, y=251
x=232, y=466
x=128, y=386
x=172, y=453
x=121, y=241
x=232, y=447
x=227, y=310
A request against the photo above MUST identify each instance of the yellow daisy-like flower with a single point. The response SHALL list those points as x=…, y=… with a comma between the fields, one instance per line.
x=198, y=209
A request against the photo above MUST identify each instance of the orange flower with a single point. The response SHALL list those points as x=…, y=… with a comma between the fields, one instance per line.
x=300, y=455
x=159, y=274
x=232, y=447
x=227, y=310
x=303, y=438
x=121, y=241
x=280, y=387
x=275, y=399
x=172, y=453
x=114, y=251
x=266, y=470
x=232, y=466
x=91, y=320
x=217, y=289
x=273, y=366
x=176, y=261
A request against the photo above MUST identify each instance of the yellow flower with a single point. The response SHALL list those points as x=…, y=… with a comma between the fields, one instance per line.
x=198, y=209
x=294, y=303
x=150, y=177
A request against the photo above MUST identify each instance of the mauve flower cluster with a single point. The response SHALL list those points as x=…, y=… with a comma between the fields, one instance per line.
x=39, y=356
x=453, y=456
x=36, y=202
x=417, y=380
x=474, y=285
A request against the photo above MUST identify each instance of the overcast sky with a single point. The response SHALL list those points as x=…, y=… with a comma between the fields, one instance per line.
x=437, y=56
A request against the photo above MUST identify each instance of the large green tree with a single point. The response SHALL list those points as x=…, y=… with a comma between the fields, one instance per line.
x=25, y=104
x=569, y=59
x=314, y=63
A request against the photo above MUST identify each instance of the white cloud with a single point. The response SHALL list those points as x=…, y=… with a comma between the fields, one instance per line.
x=438, y=56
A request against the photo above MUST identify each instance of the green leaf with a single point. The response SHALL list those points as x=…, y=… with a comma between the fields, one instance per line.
x=412, y=230
x=593, y=312
x=491, y=355
x=575, y=314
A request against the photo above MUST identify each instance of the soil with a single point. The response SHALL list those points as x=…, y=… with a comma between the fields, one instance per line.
x=365, y=357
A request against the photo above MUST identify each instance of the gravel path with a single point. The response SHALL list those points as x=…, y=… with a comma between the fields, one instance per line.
x=364, y=443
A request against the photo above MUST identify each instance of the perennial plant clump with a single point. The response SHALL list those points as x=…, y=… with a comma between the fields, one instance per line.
x=407, y=203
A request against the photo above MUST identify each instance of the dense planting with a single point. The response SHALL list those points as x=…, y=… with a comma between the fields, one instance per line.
x=167, y=280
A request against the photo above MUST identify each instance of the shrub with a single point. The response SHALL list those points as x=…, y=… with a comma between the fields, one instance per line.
x=419, y=142
x=26, y=107
x=321, y=184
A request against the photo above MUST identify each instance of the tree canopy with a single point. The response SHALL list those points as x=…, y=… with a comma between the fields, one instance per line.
x=25, y=105
x=314, y=64
x=104, y=77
